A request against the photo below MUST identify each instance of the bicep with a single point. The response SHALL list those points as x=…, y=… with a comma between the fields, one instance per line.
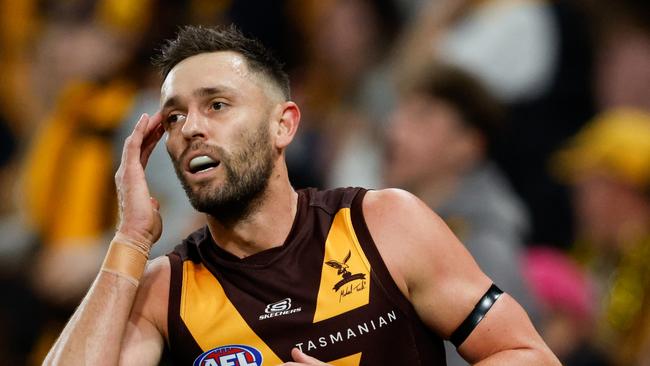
x=142, y=343
x=506, y=326
x=144, y=337
x=440, y=277
x=446, y=291
x=445, y=282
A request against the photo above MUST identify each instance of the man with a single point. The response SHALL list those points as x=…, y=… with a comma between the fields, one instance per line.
x=438, y=149
x=346, y=276
x=607, y=165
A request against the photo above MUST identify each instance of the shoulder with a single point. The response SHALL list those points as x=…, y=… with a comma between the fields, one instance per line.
x=395, y=210
x=390, y=198
x=157, y=273
x=407, y=234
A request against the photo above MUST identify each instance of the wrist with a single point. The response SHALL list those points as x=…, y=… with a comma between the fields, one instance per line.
x=140, y=242
x=136, y=237
x=126, y=258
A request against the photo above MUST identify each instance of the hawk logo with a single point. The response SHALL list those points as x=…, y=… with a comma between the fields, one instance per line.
x=342, y=270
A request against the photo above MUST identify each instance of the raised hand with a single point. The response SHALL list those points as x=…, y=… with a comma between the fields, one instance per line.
x=139, y=216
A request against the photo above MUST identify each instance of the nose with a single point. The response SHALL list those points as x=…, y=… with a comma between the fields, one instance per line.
x=195, y=126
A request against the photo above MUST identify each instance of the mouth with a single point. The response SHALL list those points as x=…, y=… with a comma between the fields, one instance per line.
x=202, y=164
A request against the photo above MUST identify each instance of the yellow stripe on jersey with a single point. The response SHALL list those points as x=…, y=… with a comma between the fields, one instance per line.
x=352, y=360
x=211, y=318
x=345, y=276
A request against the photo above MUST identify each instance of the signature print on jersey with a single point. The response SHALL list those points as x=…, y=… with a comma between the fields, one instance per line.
x=348, y=277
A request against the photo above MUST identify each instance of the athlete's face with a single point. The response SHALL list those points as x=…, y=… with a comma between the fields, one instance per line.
x=427, y=140
x=216, y=113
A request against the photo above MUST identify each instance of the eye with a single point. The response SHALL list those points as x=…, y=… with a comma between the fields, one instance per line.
x=173, y=118
x=218, y=106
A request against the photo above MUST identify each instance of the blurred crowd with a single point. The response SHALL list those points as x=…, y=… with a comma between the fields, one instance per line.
x=525, y=124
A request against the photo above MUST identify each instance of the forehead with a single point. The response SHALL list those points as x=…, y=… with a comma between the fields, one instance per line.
x=225, y=69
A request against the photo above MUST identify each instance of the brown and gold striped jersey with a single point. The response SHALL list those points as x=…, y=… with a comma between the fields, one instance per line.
x=325, y=290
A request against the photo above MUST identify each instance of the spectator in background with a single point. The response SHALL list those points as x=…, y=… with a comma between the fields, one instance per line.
x=342, y=90
x=68, y=186
x=622, y=28
x=608, y=165
x=438, y=144
x=567, y=305
x=18, y=34
x=510, y=45
x=535, y=57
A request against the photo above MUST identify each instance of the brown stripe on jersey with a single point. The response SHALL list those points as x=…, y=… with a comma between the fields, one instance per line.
x=182, y=345
x=429, y=346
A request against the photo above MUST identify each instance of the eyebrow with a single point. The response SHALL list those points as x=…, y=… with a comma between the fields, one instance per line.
x=200, y=92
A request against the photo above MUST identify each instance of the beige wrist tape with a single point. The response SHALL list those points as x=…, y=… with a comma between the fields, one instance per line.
x=126, y=258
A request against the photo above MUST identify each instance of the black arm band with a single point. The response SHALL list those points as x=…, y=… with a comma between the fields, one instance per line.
x=475, y=317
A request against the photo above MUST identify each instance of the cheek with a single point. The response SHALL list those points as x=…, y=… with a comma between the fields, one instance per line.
x=172, y=148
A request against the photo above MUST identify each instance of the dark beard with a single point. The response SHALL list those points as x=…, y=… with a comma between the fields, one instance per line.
x=248, y=171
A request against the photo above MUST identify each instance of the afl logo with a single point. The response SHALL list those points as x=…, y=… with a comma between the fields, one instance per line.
x=232, y=355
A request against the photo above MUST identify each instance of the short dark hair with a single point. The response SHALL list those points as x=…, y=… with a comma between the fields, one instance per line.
x=192, y=40
x=477, y=107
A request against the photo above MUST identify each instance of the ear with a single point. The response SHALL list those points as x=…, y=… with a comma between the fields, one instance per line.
x=287, y=121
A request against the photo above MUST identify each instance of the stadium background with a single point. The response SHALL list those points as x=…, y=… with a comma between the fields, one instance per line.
x=573, y=77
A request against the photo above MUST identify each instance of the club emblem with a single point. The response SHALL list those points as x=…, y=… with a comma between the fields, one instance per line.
x=342, y=270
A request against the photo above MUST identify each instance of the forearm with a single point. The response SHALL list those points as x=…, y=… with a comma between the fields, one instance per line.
x=93, y=335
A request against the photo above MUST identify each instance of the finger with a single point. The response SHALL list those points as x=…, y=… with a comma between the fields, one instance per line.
x=301, y=357
x=153, y=123
x=150, y=144
x=143, y=139
x=152, y=127
x=140, y=128
x=133, y=142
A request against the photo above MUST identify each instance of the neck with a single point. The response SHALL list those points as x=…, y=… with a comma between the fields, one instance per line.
x=266, y=226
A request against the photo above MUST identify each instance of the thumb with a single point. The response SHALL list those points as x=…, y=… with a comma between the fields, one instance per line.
x=301, y=357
